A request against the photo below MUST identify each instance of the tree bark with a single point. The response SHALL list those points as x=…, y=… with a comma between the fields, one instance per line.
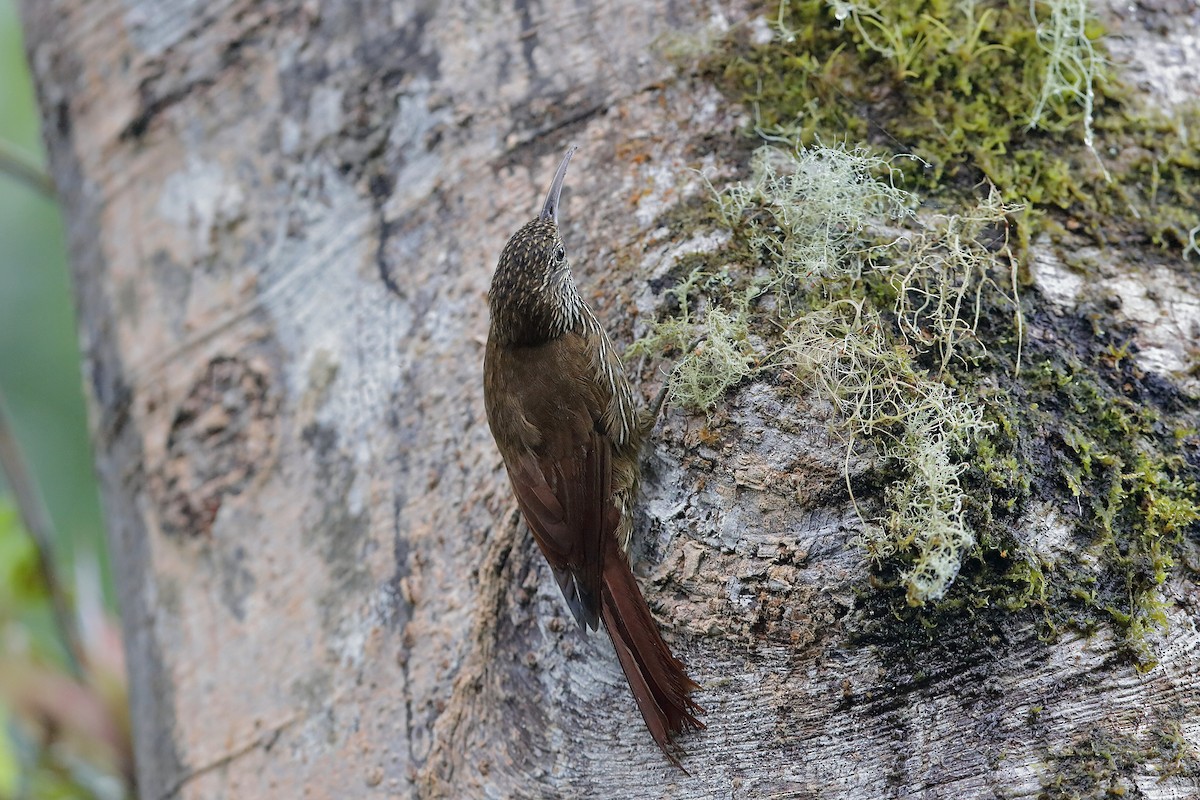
x=283, y=218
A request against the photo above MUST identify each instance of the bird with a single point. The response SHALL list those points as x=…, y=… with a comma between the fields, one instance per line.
x=562, y=413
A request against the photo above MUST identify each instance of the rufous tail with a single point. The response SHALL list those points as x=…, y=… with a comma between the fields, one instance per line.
x=660, y=686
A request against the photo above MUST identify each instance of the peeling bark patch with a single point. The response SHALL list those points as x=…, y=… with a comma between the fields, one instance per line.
x=222, y=435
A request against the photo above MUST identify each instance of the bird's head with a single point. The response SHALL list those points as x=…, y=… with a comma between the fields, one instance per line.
x=533, y=296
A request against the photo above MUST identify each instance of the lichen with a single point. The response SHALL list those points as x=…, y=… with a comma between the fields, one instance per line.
x=804, y=211
x=808, y=233
x=1072, y=63
x=912, y=420
x=720, y=359
x=714, y=344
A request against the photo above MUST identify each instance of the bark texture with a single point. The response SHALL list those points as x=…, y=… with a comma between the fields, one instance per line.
x=283, y=219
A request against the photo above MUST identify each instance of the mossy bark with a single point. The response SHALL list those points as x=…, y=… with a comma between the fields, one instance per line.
x=283, y=218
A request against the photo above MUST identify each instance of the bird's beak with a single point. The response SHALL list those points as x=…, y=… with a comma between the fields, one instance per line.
x=550, y=209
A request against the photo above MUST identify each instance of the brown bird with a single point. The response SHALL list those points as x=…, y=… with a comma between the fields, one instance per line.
x=562, y=413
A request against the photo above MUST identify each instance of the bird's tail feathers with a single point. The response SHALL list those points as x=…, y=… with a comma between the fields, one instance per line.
x=660, y=685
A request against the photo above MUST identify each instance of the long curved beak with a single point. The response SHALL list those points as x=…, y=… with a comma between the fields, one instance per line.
x=550, y=209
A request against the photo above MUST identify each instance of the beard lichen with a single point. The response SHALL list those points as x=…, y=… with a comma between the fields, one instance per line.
x=910, y=419
x=812, y=229
x=1072, y=63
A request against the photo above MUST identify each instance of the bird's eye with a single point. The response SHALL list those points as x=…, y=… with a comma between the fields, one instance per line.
x=560, y=253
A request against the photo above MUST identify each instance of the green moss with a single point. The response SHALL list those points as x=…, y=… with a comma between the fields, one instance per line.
x=1156, y=173
x=1098, y=765
x=958, y=85
x=959, y=95
x=1117, y=474
x=1103, y=765
x=1172, y=749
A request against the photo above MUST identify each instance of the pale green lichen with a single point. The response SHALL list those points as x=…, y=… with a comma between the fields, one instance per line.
x=918, y=423
x=805, y=210
x=1072, y=63
x=1192, y=247
x=814, y=217
x=721, y=359
x=715, y=343
x=942, y=278
x=928, y=506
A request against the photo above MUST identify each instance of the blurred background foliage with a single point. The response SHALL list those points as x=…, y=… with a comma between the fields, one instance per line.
x=64, y=729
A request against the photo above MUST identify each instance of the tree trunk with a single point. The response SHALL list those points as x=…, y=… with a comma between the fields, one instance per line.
x=283, y=218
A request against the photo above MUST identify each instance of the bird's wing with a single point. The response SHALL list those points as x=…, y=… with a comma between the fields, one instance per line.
x=565, y=493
